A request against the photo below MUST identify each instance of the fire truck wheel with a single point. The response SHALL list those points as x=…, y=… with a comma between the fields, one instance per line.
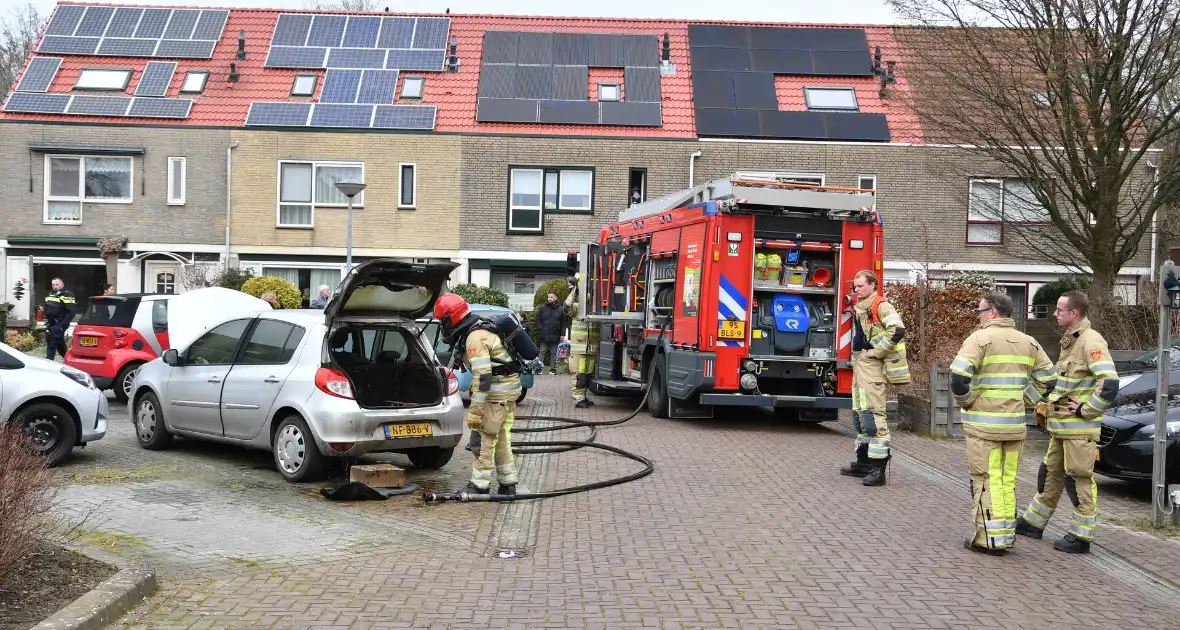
x=657, y=394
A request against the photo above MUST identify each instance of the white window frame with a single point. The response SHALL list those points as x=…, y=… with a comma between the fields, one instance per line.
x=79, y=83
x=358, y=201
x=540, y=207
x=860, y=179
x=420, y=82
x=612, y=86
x=315, y=79
x=173, y=198
x=195, y=75
x=82, y=199
x=413, y=193
x=823, y=180
x=808, y=89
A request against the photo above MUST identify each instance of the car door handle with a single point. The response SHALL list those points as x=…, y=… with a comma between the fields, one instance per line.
x=215, y=379
x=271, y=379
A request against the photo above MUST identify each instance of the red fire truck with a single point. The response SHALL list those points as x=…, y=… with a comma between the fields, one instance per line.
x=750, y=277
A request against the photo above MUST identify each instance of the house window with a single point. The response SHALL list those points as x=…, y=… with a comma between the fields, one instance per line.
x=608, y=92
x=407, y=189
x=166, y=283
x=809, y=179
x=993, y=203
x=103, y=79
x=176, y=180
x=71, y=181
x=194, y=82
x=533, y=191
x=307, y=280
x=867, y=182
x=839, y=99
x=303, y=186
x=636, y=186
x=413, y=87
x=304, y=85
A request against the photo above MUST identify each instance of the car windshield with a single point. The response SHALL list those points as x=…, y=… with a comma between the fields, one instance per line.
x=117, y=313
x=1150, y=359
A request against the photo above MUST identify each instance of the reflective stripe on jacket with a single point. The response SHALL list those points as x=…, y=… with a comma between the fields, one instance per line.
x=887, y=336
x=482, y=347
x=584, y=335
x=1081, y=369
x=1009, y=371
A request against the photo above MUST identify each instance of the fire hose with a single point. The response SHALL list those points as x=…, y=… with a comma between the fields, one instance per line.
x=562, y=446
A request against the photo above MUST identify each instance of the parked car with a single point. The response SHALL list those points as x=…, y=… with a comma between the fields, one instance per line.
x=308, y=385
x=116, y=335
x=1126, y=447
x=56, y=405
x=433, y=333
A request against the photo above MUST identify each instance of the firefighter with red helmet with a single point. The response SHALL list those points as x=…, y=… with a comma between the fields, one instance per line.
x=495, y=386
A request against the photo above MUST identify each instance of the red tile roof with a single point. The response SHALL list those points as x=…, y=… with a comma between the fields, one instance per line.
x=455, y=94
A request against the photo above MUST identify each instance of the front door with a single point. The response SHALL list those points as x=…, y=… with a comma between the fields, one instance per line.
x=194, y=387
x=259, y=374
x=162, y=278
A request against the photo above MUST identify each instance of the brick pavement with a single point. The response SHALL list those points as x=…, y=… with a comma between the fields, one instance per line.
x=744, y=524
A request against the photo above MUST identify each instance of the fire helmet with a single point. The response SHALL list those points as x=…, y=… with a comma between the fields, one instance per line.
x=450, y=309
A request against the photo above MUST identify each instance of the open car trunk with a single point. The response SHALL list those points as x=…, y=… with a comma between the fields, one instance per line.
x=386, y=366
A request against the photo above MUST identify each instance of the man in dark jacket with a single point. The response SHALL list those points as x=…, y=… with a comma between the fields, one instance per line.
x=550, y=324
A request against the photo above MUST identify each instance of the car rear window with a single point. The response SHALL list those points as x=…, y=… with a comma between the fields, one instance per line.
x=108, y=312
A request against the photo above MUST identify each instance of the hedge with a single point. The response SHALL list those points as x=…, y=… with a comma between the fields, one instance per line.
x=475, y=294
x=288, y=294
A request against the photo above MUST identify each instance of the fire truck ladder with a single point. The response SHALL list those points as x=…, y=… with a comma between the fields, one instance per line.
x=759, y=188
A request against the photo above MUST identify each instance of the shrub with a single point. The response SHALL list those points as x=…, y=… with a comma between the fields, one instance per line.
x=232, y=278
x=27, y=488
x=557, y=286
x=935, y=333
x=475, y=294
x=287, y=293
x=1047, y=295
x=20, y=340
x=979, y=281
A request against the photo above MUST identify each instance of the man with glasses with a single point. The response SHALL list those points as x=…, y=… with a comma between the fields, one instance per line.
x=1086, y=384
x=997, y=373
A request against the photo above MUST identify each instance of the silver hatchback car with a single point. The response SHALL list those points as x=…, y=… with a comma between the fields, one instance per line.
x=308, y=385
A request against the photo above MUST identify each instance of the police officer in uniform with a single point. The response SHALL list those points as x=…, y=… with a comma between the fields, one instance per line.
x=583, y=348
x=997, y=373
x=495, y=386
x=1086, y=384
x=59, y=312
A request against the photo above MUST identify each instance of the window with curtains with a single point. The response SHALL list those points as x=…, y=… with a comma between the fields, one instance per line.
x=306, y=279
x=304, y=186
x=71, y=180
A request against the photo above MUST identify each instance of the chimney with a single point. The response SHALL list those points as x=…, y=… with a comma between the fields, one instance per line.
x=453, y=57
x=233, y=73
x=667, y=48
x=241, y=45
x=666, y=67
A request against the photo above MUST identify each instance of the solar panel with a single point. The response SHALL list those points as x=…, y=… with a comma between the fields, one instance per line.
x=68, y=45
x=128, y=47
x=641, y=51
x=534, y=48
x=292, y=29
x=124, y=22
x=340, y=86
x=356, y=58
x=39, y=75
x=793, y=125
x=506, y=110
x=568, y=112
x=327, y=30
x=185, y=49
x=425, y=60
x=500, y=47
x=779, y=61
x=631, y=114
x=182, y=24
x=283, y=114
x=396, y=32
x=732, y=59
x=497, y=81
x=211, y=25
x=842, y=63
x=362, y=31
x=94, y=23
x=431, y=33
x=534, y=82
x=153, y=23
x=160, y=108
x=405, y=117
x=296, y=57
x=571, y=49
x=331, y=115
x=378, y=87
x=856, y=126
x=569, y=83
x=156, y=78
x=606, y=51
x=642, y=85
x=755, y=90
x=714, y=121
x=702, y=35
x=99, y=105
x=65, y=19
x=713, y=89
x=37, y=103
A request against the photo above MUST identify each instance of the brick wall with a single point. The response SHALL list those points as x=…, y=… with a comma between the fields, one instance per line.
x=922, y=192
x=148, y=218
x=434, y=224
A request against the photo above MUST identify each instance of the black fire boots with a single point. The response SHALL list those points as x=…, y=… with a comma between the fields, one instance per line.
x=584, y=403
x=1070, y=543
x=876, y=476
x=860, y=467
x=1024, y=528
x=506, y=488
x=471, y=488
x=970, y=545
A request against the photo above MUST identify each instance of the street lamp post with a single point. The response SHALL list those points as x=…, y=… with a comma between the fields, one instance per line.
x=350, y=190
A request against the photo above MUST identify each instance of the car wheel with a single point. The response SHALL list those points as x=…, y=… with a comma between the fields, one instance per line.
x=657, y=393
x=523, y=392
x=122, y=384
x=432, y=457
x=296, y=455
x=50, y=429
x=149, y=424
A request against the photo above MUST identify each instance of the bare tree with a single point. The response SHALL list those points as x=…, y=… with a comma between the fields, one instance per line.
x=198, y=275
x=1066, y=98
x=344, y=5
x=18, y=33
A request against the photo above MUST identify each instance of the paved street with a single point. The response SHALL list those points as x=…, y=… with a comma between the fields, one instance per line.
x=744, y=524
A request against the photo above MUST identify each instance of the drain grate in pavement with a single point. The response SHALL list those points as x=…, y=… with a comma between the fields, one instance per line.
x=517, y=522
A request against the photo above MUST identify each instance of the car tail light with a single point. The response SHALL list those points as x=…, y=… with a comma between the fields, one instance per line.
x=452, y=383
x=333, y=382
x=120, y=338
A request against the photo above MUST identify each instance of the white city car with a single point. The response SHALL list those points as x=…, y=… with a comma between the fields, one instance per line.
x=56, y=405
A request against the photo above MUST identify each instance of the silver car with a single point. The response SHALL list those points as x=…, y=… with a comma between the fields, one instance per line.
x=308, y=385
x=56, y=405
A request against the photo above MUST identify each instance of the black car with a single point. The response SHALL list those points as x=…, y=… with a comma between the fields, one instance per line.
x=1126, y=446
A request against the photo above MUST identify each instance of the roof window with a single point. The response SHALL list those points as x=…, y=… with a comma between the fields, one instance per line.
x=304, y=85
x=825, y=98
x=103, y=79
x=194, y=82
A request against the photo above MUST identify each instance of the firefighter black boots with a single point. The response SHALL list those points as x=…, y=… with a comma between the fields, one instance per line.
x=1024, y=528
x=1072, y=544
x=860, y=467
x=876, y=476
x=506, y=488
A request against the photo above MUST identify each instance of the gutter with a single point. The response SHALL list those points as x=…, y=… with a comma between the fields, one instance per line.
x=229, y=204
x=692, y=164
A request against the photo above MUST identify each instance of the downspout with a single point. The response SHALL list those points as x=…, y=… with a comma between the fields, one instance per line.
x=692, y=164
x=229, y=180
x=1155, y=218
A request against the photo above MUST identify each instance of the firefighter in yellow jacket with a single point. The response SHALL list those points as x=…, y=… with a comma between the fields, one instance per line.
x=495, y=386
x=1086, y=384
x=997, y=373
x=583, y=348
x=878, y=357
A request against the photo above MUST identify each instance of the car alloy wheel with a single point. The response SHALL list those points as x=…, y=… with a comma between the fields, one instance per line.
x=291, y=449
x=128, y=380
x=145, y=421
x=43, y=432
